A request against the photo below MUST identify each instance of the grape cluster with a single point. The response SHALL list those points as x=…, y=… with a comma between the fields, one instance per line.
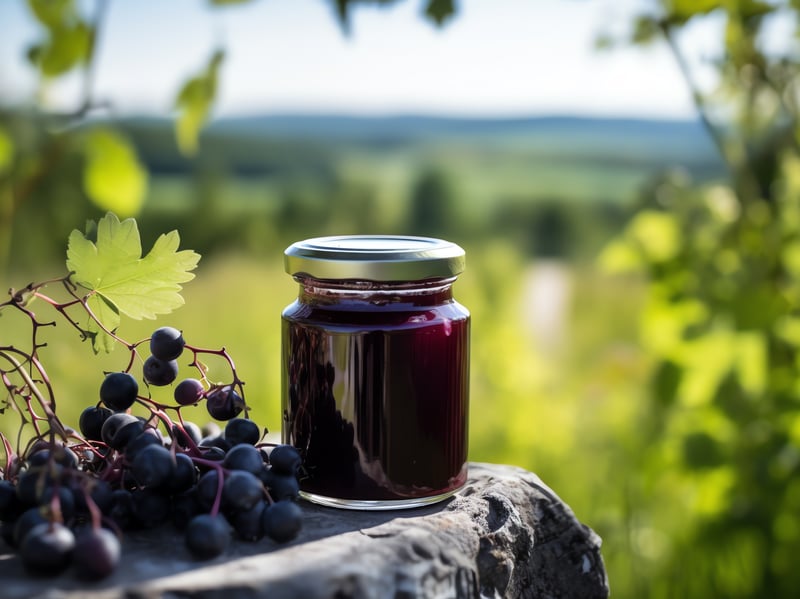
x=68, y=496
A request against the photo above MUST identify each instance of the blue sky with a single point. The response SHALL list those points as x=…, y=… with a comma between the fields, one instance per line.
x=498, y=57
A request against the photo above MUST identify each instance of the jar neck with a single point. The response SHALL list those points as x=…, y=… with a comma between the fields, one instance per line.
x=427, y=292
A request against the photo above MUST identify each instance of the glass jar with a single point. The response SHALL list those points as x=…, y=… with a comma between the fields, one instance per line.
x=375, y=359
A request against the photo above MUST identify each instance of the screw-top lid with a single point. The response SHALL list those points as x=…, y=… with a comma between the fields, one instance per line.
x=374, y=258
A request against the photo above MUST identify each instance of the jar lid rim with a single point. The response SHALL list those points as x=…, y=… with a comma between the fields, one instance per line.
x=374, y=257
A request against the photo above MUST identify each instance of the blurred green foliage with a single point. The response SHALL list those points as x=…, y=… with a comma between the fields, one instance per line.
x=667, y=409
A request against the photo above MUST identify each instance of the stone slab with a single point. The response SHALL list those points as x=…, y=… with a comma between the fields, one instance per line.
x=506, y=534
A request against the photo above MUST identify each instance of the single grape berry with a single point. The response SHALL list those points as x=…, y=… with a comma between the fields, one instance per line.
x=152, y=466
x=244, y=457
x=96, y=553
x=91, y=422
x=282, y=521
x=166, y=343
x=207, y=536
x=118, y=391
x=285, y=459
x=159, y=372
x=224, y=403
x=242, y=430
x=47, y=548
x=188, y=392
x=241, y=491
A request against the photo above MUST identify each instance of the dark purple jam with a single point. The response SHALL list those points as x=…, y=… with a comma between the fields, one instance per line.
x=375, y=390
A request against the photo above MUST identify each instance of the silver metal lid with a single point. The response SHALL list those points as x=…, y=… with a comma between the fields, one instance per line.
x=374, y=258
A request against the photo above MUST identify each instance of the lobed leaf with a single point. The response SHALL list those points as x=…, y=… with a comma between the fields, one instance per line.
x=124, y=281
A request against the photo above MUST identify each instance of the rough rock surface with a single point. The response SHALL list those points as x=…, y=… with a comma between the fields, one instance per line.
x=506, y=534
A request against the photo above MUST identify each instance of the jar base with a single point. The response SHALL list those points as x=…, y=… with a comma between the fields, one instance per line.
x=379, y=504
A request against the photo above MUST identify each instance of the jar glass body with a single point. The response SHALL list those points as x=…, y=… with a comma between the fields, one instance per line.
x=376, y=391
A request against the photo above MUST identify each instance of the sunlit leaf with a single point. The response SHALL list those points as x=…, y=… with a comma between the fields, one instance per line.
x=114, y=269
x=619, y=256
x=194, y=104
x=440, y=10
x=6, y=151
x=751, y=361
x=657, y=233
x=69, y=38
x=683, y=10
x=52, y=13
x=664, y=324
x=114, y=178
x=68, y=48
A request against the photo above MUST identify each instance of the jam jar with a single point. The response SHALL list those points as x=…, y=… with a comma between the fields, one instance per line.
x=375, y=370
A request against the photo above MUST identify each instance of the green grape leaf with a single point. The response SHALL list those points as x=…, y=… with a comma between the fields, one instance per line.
x=114, y=178
x=112, y=267
x=440, y=10
x=194, y=103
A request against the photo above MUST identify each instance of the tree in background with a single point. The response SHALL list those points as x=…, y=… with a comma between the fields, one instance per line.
x=722, y=317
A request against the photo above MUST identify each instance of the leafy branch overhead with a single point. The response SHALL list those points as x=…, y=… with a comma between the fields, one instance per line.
x=107, y=260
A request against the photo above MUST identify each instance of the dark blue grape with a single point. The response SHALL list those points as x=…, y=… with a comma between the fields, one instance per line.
x=244, y=457
x=207, y=536
x=207, y=488
x=241, y=490
x=122, y=512
x=91, y=422
x=189, y=435
x=166, y=343
x=118, y=391
x=99, y=491
x=184, y=475
x=28, y=520
x=188, y=392
x=47, y=549
x=10, y=505
x=217, y=441
x=120, y=429
x=242, y=430
x=285, y=459
x=96, y=553
x=247, y=523
x=281, y=486
x=282, y=521
x=224, y=403
x=159, y=372
x=66, y=500
x=148, y=437
x=152, y=466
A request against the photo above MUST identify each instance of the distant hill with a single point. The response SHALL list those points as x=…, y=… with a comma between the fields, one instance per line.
x=259, y=144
